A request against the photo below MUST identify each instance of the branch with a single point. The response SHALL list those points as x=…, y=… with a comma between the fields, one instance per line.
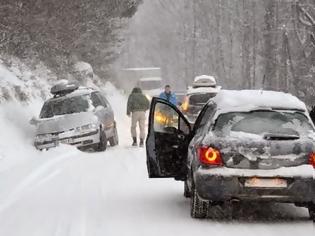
x=310, y=20
x=313, y=39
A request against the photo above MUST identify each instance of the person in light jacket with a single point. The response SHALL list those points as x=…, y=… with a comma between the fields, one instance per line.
x=168, y=95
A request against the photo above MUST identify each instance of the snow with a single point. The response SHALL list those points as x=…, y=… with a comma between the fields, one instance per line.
x=203, y=90
x=65, y=192
x=142, y=68
x=206, y=77
x=145, y=79
x=82, y=66
x=251, y=99
x=303, y=171
x=8, y=77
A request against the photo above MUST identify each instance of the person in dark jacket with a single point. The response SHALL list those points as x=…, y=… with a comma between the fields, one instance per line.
x=168, y=95
x=137, y=105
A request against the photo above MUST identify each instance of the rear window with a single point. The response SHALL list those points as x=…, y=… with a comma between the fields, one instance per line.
x=262, y=122
x=150, y=84
x=200, y=99
x=67, y=106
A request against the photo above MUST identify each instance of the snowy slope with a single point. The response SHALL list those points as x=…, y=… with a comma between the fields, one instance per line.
x=64, y=192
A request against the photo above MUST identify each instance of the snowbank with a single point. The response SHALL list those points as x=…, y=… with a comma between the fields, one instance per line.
x=22, y=94
x=18, y=83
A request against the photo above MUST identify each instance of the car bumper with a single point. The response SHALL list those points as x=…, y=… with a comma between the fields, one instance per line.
x=80, y=140
x=224, y=184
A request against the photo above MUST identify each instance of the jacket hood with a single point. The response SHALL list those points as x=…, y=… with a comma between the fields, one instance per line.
x=136, y=90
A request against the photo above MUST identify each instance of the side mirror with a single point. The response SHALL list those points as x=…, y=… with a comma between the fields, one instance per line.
x=34, y=121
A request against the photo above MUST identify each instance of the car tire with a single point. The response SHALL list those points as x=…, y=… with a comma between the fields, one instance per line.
x=311, y=210
x=187, y=192
x=199, y=208
x=113, y=141
x=102, y=145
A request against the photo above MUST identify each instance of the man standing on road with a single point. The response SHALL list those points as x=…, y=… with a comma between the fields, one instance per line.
x=168, y=95
x=137, y=105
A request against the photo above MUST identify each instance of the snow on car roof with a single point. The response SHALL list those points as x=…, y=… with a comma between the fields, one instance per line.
x=150, y=79
x=203, y=90
x=207, y=77
x=254, y=99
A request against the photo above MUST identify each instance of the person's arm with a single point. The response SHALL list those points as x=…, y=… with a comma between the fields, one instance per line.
x=174, y=99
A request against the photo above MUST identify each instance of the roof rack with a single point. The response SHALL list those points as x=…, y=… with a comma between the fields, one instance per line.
x=63, y=87
x=204, y=81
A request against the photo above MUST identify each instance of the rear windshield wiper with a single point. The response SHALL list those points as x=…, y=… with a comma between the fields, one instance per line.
x=270, y=136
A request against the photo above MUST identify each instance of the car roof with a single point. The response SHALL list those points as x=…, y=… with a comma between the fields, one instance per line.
x=247, y=100
x=78, y=92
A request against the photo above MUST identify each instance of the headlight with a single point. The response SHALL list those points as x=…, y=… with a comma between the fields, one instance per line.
x=87, y=127
x=44, y=137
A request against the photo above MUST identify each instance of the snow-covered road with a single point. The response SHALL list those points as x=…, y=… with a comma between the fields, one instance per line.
x=64, y=192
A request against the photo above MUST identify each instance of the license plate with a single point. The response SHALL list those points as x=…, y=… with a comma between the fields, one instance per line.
x=67, y=141
x=266, y=183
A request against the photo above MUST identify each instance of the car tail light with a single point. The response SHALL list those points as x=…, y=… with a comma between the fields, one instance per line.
x=185, y=104
x=210, y=156
x=312, y=159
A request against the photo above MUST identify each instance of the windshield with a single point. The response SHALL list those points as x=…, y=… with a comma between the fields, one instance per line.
x=262, y=122
x=200, y=99
x=150, y=84
x=67, y=106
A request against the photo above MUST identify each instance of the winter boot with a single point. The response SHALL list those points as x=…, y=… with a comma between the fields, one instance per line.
x=134, y=142
x=141, y=142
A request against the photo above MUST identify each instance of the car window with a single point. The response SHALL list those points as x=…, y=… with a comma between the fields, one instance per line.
x=103, y=99
x=261, y=122
x=96, y=100
x=67, y=105
x=200, y=99
x=166, y=119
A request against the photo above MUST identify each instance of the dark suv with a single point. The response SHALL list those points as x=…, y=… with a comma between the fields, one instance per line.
x=245, y=146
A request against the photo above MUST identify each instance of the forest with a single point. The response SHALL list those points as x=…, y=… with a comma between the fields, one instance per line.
x=266, y=44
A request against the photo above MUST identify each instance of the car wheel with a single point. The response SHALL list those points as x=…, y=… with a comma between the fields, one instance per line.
x=311, y=210
x=187, y=192
x=113, y=141
x=199, y=208
x=103, y=141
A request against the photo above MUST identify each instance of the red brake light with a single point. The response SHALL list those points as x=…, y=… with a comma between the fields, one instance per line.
x=210, y=156
x=312, y=159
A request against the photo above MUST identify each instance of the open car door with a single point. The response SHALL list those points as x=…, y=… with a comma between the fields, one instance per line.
x=167, y=141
